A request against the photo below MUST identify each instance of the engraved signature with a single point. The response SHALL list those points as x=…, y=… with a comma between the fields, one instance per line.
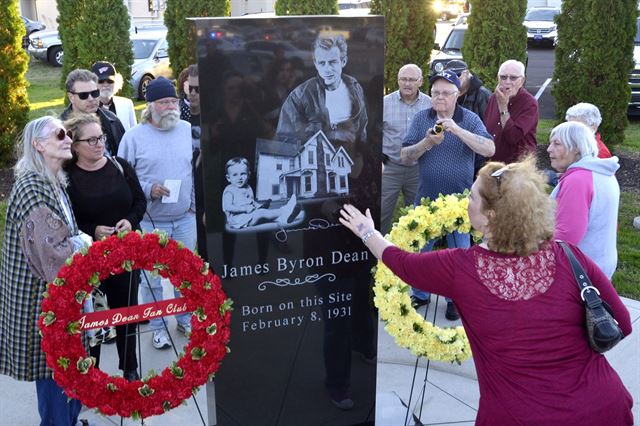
x=314, y=224
x=284, y=282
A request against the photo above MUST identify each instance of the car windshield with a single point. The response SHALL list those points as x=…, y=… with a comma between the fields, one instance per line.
x=142, y=48
x=541, y=15
x=455, y=40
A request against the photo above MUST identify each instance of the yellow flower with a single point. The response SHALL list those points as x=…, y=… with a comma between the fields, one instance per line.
x=391, y=295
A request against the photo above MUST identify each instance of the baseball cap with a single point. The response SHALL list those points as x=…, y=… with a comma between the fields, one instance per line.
x=457, y=66
x=104, y=71
x=448, y=75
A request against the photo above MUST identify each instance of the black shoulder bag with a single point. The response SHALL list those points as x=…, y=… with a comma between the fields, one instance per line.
x=602, y=327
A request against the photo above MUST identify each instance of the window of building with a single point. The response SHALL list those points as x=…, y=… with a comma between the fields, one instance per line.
x=343, y=182
x=310, y=157
x=275, y=189
x=307, y=183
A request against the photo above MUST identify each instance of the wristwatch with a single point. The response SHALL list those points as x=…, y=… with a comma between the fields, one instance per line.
x=504, y=112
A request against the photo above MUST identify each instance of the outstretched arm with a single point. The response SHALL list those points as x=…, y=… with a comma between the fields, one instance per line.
x=364, y=228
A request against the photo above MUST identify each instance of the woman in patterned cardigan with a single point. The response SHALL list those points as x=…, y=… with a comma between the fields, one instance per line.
x=40, y=233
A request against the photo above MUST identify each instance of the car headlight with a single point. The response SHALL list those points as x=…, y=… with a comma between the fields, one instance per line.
x=438, y=67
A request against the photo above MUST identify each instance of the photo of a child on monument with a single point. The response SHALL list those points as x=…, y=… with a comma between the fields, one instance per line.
x=241, y=208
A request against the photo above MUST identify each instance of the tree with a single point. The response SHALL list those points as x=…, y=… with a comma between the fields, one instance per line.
x=181, y=35
x=409, y=35
x=13, y=85
x=103, y=35
x=70, y=13
x=594, y=57
x=495, y=34
x=306, y=7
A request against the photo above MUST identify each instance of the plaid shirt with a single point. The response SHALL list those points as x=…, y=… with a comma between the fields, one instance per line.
x=21, y=356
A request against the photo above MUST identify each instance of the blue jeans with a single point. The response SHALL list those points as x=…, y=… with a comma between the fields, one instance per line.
x=454, y=240
x=183, y=230
x=54, y=406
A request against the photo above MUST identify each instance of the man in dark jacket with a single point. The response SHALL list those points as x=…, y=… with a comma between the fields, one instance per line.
x=82, y=90
x=473, y=95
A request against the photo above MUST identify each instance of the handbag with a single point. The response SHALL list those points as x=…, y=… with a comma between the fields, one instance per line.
x=602, y=328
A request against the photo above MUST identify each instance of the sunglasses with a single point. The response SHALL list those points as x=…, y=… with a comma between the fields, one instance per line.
x=194, y=89
x=84, y=95
x=93, y=141
x=61, y=133
x=106, y=81
x=498, y=175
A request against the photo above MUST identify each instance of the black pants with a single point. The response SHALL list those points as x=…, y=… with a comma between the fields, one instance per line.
x=122, y=291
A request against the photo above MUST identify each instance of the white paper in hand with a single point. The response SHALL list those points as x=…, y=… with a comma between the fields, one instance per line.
x=173, y=185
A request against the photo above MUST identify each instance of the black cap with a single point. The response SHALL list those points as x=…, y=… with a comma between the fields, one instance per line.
x=104, y=71
x=457, y=66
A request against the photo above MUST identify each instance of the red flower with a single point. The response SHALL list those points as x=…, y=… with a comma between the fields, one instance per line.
x=115, y=395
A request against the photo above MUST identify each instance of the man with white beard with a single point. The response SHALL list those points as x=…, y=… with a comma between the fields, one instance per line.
x=110, y=83
x=160, y=150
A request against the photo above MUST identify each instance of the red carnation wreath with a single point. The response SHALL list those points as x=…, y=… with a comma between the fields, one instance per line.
x=61, y=335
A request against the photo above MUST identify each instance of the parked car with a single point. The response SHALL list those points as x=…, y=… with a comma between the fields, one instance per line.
x=31, y=27
x=46, y=46
x=451, y=49
x=634, y=77
x=150, y=59
x=540, y=25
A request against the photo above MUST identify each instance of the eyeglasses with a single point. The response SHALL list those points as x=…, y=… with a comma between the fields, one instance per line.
x=105, y=81
x=408, y=80
x=61, y=133
x=168, y=102
x=444, y=93
x=498, y=175
x=93, y=141
x=84, y=95
x=194, y=89
x=510, y=77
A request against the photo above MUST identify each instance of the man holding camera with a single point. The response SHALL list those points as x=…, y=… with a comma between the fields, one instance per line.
x=445, y=140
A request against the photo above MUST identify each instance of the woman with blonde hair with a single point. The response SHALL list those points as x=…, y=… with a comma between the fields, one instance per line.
x=520, y=305
x=106, y=198
x=40, y=234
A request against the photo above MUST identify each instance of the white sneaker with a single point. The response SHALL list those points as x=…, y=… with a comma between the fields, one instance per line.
x=161, y=340
x=184, y=329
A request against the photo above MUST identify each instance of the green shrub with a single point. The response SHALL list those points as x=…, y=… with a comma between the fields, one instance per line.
x=181, y=35
x=103, y=35
x=594, y=57
x=306, y=7
x=70, y=13
x=409, y=35
x=14, y=104
x=495, y=34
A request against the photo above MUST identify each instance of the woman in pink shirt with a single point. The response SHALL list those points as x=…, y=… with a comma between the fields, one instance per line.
x=519, y=304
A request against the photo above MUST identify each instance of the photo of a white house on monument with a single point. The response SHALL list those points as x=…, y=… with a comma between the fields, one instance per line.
x=314, y=169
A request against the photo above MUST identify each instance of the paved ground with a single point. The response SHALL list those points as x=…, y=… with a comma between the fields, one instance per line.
x=450, y=397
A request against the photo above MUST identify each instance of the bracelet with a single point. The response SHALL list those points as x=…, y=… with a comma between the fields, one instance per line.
x=368, y=235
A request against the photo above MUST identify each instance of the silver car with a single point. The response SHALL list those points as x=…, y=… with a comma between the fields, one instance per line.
x=150, y=59
x=150, y=55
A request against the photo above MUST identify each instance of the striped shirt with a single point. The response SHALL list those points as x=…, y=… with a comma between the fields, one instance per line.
x=396, y=120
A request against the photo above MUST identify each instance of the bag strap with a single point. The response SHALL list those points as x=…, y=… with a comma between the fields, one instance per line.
x=117, y=164
x=590, y=298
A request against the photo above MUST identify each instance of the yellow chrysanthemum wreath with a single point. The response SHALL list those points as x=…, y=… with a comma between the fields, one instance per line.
x=431, y=219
